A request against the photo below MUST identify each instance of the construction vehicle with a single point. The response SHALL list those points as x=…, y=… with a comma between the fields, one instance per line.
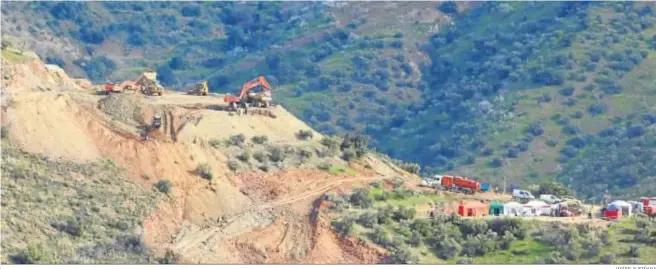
x=156, y=124
x=247, y=98
x=152, y=89
x=199, y=89
x=111, y=88
x=457, y=184
x=146, y=83
x=116, y=87
x=571, y=208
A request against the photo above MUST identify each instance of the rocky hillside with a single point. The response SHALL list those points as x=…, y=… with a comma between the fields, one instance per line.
x=522, y=91
x=209, y=186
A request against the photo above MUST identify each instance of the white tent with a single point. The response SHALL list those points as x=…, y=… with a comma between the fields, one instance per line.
x=538, y=208
x=625, y=206
x=513, y=209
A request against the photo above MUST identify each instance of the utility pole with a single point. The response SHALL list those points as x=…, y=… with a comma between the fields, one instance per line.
x=504, y=184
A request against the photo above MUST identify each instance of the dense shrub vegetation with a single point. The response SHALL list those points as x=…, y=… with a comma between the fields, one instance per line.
x=474, y=87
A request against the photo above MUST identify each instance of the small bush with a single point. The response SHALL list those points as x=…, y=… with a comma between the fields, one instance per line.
x=409, y=167
x=215, y=143
x=545, y=98
x=259, y=156
x=535, y=129
x=262, y=139
x=33, y=254
x=465, y=260
x=244, y=156
x=570, y=102
x=276, y=154
x=233, y=165
x=361, y=198
x=567, y=91
x=554, y=257
x=397, y=182
x=264, y=167
x=507, y=240
x=164, y=186
x=635, y=250
x=415, y=239
x=448, y=7
x=331, y=143
x=608, y=258
x=305, y=154
x=237, y=140
x=324, y=166
x=368, y=219
x=70, y=226
x=643, y=235
x=635, y=261
x=448, y=249
x=205, y=171
x=305, y=135
x=6, y=44
x=402, y=255
x=169, y=258
x=348, y=155
x=344, y=227
x=496, y=162
x=597, y=109
x=385, y=214
x=4, y=132
x=404, y=213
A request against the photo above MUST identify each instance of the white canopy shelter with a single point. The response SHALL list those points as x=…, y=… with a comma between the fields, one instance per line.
x=538, y=208
x=513, y=209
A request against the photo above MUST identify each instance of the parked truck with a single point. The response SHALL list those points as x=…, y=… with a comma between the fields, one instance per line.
x=458, y=184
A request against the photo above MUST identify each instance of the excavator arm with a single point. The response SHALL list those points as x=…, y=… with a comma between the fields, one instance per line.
x=241, y=96
x=259, y=81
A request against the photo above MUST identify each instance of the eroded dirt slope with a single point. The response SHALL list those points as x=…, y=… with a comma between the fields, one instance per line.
x=247, y=216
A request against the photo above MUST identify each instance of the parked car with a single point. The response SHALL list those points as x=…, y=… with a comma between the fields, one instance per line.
x=550, y=198
x=522, y=194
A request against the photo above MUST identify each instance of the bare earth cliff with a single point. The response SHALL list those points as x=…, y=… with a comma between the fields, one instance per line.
x=259, y=209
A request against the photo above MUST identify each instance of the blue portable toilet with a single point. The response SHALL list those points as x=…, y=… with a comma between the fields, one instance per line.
x=485, y=187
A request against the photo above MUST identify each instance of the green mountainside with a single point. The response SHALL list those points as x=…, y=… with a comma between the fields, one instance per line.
x=522, y=91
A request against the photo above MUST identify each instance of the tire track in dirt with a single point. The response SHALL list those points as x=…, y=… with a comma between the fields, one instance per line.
x=172, y=128
x=203, y=236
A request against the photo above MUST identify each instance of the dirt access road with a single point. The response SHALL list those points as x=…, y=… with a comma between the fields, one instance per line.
x=242, y=223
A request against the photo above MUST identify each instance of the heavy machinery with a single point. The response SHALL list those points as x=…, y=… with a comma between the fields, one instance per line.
x=147, y=84
x=152, y=89
x=457, y=184
x=154, y=125
x=571, y=208
x=247, y=98
x=199, y=89
x=117, y=88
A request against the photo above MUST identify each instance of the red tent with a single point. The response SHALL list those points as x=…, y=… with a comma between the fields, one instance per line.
x=473, y=209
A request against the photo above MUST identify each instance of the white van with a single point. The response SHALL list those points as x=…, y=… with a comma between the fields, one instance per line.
x=522, y=194
x=550, y=198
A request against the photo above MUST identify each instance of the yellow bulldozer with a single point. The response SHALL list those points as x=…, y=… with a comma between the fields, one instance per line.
x=199, y=89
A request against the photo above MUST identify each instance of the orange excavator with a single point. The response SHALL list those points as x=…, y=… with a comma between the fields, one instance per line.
x=248, y=98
